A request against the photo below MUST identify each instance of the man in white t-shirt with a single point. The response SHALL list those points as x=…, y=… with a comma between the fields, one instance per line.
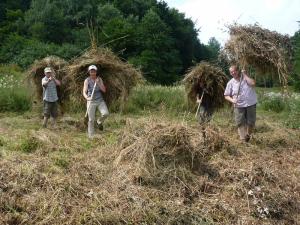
x=241, y=93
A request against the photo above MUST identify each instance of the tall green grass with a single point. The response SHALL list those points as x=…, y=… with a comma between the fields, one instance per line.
x=284, y=108
x=156, y=98
x=275, y=104
x=14, y=95
x=14, y=100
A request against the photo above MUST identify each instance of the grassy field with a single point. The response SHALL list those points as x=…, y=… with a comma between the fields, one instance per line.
x=153, y=164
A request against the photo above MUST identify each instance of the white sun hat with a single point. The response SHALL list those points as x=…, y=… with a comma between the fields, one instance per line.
x=92, y=67
x=48, y=70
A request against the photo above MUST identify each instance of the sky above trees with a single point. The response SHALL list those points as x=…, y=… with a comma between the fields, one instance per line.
x=211, y=16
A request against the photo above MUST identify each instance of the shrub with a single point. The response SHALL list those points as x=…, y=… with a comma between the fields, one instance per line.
x=274, y=104
x=157, y=98
x=23, y=52
x=14, y=96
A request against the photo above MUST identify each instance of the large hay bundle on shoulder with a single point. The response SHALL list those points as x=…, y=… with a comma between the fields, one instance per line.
x=160, y=153
x=118, y=77
x=36, y=73
x=267, y=51
x=214, y=81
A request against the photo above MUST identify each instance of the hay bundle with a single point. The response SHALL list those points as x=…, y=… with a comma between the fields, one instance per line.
x=267, y=51
x=163, y=153
x=118, y=76
x=214, y=81
x=36, y=73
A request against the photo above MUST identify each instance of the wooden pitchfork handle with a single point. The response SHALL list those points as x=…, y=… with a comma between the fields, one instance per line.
x=199, y=104
x=89, y=102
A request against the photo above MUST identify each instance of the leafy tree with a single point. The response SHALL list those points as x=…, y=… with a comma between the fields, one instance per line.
x=296, y=72
x=214, y=48
x=134, y=7
x=158, y=58
x=158, y=39
x=46, y=21
x=11, y=16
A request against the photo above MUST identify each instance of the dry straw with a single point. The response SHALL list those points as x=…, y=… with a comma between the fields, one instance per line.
x=36, y=73
x=118, y=76
x=213, y=80
x=267, y=51
x=167, y=154
x=63, y=182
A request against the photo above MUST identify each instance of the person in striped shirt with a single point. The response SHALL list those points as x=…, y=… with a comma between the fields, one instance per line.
x=50, y=98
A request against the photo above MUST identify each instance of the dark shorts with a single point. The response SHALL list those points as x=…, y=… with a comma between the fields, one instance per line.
x=50, y=109
x=245, y=115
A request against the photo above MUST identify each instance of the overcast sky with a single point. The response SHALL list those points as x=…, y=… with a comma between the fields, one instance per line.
x=211, y=15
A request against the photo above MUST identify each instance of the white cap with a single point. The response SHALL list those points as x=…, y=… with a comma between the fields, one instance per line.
x=48, y=70
x=92, y=67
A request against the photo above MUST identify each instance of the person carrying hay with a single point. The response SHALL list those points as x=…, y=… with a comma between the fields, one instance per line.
x=204, y=101
x=241, y=93
x=205, y=84
x=92, y=91
x=50, y=98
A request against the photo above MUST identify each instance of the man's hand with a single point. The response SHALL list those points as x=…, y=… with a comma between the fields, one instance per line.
x=51, y=78
x=249, y=80
x=88, y=98
x=99, y=81
x=101, y=85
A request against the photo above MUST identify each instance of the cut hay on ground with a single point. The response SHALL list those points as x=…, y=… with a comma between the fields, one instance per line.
x=214, y=81
x=267, y=51
x=118, y=77
x=168, y=154
x=71, y=180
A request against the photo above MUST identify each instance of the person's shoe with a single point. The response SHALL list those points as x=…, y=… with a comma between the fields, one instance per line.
x=100, y=126
x=45, y=121
x=247, y=138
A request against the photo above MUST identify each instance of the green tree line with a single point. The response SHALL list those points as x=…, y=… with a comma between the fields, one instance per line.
x=148, y=33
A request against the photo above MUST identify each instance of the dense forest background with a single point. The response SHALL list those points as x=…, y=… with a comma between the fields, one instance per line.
x=160, y=40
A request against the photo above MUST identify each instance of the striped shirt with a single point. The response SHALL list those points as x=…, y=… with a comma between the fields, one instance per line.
x=246, y=97
x=49, y=90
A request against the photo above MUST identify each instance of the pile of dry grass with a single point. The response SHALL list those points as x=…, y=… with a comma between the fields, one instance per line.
x=71, y=180
x=267, y=51
x=36, y=73
x=119, y=77
x=213, y=80
x=168, y=154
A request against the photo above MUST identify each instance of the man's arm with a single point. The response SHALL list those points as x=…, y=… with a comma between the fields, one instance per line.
x=57, y=82
x=84, y=90
x=45, y=82
x=228, y=94
x=101, y=85
x=230, y=99
x=249, y=80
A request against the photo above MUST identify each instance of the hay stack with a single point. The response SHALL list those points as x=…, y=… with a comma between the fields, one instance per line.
x=118, y=76
x=163, y=153
x=36, y=73
x=214, y=81
x=267, y=51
